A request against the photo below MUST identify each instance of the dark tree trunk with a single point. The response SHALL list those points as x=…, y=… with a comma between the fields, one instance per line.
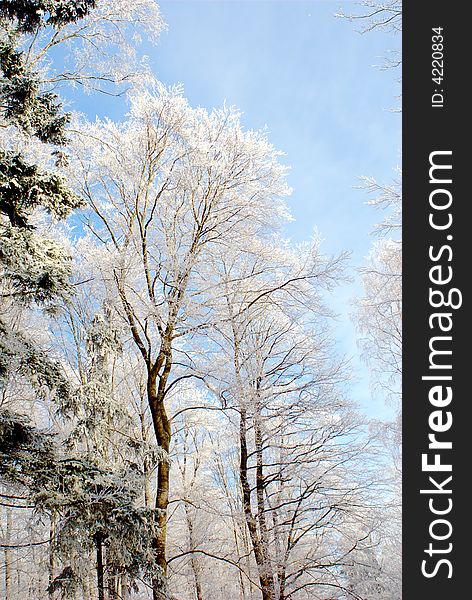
x=52, y=558
x=261, y=511
x=266, y=579
x=162, y=430
x=100, y=577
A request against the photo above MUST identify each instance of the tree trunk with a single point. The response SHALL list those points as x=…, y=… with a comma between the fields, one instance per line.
x=7, y=556
x=146, y=465
x=265, y=576
x=52, y=558
x=100, y=579
x=111, y=581
x=163, y=436
x=160, y=543
x=280, y=555
x=261, y=510
x=194, y=562
x=87, y=585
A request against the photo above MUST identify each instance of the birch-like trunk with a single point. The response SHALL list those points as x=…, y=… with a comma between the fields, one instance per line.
x=194, y=562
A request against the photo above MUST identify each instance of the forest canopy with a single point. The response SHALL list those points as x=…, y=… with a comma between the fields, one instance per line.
x=176, y=420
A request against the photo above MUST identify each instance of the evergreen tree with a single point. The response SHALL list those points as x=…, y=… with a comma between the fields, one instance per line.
x=98, y=514
x=34, y=269
x=25, y=187
x=90, y=503
x=30, y=15
x=24, y=450
x=93, y=509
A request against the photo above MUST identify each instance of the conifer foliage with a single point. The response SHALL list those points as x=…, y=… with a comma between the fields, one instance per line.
x=34, y=269
x=33, y=265
x=33, y=14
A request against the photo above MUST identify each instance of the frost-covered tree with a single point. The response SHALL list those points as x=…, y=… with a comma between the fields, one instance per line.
x=375, y=14
x=379, y=310
x=370, y=15
x=165, y=189
x=379, y=322
x=378, y=313
x=184, y=209
x=275, y=372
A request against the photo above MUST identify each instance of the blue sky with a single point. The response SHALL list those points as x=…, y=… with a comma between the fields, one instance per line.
x=310, y=78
